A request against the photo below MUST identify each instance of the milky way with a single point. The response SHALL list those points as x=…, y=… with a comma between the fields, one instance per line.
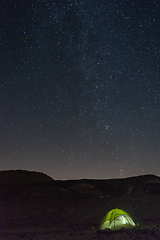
x=80, y=87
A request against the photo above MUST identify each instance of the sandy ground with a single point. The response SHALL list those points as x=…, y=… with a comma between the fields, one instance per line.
x=48, y=212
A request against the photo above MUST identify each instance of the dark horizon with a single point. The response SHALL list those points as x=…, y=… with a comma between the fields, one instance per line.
x=76, y=179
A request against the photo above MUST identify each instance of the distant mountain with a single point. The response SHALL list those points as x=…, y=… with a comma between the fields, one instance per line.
x=102, y=188
x=23, y=177
x=114, y=187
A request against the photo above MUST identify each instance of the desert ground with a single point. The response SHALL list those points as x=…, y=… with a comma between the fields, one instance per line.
x=34, y=206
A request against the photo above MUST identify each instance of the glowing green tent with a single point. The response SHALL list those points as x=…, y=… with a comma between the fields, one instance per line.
x=117, y=219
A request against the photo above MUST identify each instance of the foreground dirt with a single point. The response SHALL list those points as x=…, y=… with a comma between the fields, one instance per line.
x=47, y=212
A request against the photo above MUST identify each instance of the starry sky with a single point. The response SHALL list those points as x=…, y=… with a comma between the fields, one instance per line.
x=80, y=87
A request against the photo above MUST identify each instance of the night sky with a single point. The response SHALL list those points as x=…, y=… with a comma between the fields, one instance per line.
x=80, y=87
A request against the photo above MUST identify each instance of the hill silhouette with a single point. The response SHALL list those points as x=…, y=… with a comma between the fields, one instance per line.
x=23, y=177
x=105, y=187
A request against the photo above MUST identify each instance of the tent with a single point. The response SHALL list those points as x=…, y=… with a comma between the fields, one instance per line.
x=117, y=219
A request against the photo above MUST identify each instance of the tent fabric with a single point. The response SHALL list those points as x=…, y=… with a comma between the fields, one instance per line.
x=117, y=219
